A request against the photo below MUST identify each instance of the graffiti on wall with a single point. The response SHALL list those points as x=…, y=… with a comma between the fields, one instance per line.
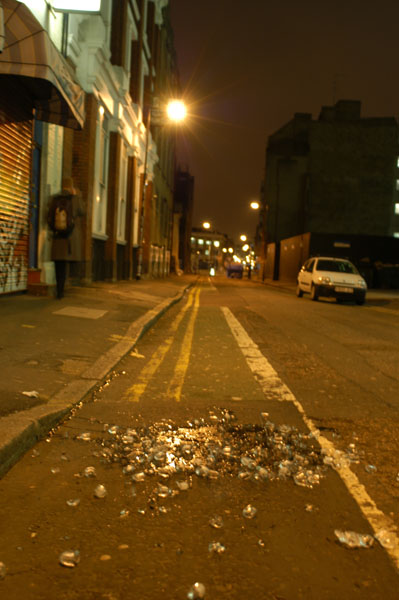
x=14, y=206
x=13, y=254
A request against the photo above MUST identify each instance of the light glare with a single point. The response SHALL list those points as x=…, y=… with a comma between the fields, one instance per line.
x=176, y=110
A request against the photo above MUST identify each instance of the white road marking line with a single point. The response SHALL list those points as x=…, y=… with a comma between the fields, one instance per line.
x=274, y=388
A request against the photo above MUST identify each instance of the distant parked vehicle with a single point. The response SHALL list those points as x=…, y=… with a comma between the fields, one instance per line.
x=235, y=270
x=331, y=277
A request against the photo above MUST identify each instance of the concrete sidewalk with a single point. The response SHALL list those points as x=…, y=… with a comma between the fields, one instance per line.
x=55, y=351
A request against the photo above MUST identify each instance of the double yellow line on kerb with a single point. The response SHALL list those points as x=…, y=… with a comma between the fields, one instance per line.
x=135, y=392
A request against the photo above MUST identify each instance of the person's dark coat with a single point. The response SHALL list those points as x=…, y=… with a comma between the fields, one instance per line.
x=68, y=248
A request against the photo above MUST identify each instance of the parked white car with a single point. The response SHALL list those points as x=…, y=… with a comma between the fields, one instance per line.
x=331, y=277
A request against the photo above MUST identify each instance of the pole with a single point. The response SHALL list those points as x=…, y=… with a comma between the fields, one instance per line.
x=2, y=31
x=143, y=197
x=264, y=239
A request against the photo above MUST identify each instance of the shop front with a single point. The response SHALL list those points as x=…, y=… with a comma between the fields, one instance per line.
x=36, y=84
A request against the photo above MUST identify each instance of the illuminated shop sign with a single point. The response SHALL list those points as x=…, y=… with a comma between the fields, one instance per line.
x=89, y=6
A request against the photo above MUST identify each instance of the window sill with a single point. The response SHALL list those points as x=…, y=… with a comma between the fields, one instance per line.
x=99, y=236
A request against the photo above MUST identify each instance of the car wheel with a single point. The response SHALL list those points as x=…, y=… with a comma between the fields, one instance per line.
x=314, y=294
x=298, y=291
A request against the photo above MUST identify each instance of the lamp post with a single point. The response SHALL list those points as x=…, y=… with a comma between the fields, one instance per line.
x=175, y=112
x=255, y=205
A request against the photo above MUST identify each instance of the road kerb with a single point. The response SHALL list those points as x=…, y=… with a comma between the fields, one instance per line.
x=20, y=431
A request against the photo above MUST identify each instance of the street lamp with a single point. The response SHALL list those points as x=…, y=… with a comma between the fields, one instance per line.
x=243, y=238
x=175, y=112
x=262, y=223
x=206, y=225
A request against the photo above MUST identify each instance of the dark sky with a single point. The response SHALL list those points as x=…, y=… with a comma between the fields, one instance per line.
x=246, y=66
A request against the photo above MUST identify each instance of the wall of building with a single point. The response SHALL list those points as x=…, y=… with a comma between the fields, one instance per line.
x=336, y=174
x=293, y=253
x=352, y=174
x=183, y=206
x=285, y=193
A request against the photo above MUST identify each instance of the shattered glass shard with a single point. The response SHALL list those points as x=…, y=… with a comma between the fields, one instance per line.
x=249, y=512
x=216, y=547
x=69, y=558
x=100, y=491
x=216, y=522
x=3, y=570
x=196, y=592
x=351, y=539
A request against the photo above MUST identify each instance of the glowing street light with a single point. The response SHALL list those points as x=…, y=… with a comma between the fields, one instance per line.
x=254, y=205
x=176, y=110
x=206, y=225
x=243, y=238
x=245, y=247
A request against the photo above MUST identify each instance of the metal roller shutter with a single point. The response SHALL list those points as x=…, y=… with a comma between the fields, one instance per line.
x=15, y=165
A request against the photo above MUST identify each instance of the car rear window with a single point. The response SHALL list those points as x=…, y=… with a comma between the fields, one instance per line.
x=338, y=266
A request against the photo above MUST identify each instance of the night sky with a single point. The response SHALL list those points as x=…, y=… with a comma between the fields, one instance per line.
x=246, y=66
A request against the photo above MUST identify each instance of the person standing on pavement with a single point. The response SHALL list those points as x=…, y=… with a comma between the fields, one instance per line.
x=64, y=220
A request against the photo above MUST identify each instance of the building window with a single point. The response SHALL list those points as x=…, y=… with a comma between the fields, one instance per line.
x=397, y=185
x=200, y=242
x=101, y=174
x=396, y=234
x=397, y=208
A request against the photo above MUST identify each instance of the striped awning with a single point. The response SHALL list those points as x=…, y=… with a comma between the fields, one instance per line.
x=30, y=57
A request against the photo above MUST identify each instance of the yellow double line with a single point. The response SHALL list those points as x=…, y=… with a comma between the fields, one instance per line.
x=135, y=392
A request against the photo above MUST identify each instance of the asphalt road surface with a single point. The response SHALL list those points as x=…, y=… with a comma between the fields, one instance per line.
x=245, y=445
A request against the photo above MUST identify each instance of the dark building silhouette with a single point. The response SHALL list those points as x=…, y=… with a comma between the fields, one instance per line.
x=337, y=174
x=183, y=211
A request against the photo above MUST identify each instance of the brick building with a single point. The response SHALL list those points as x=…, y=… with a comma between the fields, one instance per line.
x=113, y=70
x=331, y=187
x=338, y=174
